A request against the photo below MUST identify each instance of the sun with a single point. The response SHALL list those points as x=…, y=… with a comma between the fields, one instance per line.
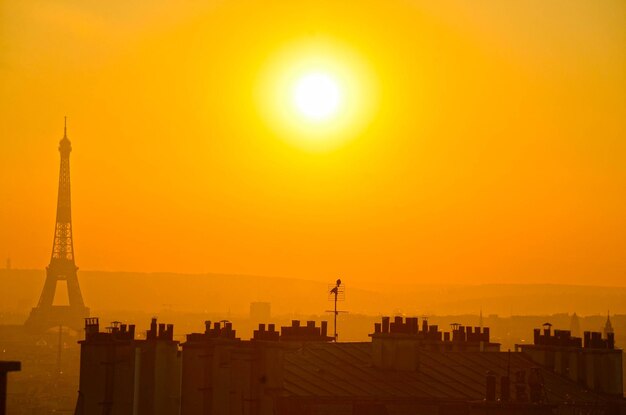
x=317, y=96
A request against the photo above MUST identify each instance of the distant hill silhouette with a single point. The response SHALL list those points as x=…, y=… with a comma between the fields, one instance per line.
x=106, y=291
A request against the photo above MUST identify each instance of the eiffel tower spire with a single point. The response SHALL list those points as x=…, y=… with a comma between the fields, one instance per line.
x=63, y=246
x=62, y=265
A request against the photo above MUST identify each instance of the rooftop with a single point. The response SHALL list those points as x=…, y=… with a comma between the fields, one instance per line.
x=346, y=370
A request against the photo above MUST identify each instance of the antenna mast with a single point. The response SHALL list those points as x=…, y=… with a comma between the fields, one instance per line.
x=337, y=292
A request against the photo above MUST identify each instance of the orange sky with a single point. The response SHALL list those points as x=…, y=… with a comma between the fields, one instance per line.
x=493, y=150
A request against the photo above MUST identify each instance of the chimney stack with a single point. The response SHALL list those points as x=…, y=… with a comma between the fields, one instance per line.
x=385, y=324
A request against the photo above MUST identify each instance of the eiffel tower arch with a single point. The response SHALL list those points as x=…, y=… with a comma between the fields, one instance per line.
x=62, y=265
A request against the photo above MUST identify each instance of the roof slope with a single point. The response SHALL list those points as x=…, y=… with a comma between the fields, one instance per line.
x=333, y=370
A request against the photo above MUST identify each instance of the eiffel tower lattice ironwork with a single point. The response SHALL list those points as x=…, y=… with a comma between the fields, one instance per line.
x=62, y=265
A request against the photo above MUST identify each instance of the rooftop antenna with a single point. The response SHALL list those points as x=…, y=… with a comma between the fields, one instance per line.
x=336, y=293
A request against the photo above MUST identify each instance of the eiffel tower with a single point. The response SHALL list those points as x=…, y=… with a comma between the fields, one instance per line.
x=62, y=266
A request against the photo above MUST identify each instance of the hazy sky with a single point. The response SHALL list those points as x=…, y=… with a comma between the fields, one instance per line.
x=486, y=142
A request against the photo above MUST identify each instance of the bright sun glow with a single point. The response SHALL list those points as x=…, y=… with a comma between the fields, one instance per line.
x=317, y=96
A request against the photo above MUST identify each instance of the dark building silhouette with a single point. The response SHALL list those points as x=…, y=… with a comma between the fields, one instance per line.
x=592, y=361
x=394, y=342
x=5, y=368
x=120, y=374
x=405, y=369
x=223, y=375
x=62, y=263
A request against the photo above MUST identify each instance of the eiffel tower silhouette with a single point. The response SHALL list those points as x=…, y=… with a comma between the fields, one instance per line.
x=62, y=266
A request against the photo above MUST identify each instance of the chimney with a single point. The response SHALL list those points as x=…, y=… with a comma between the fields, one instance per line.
x=92, y=325
x=304, y=333
x=546, y=329
x=486, y=334
x=152, y=333
x=267, y=333
x=596, y=340
x=385, y=324
x=434, y=333
x=396, y=326
x=412, y=325
x=458, y=335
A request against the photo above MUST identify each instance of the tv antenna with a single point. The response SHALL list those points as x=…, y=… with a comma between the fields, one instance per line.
x=336, y=292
